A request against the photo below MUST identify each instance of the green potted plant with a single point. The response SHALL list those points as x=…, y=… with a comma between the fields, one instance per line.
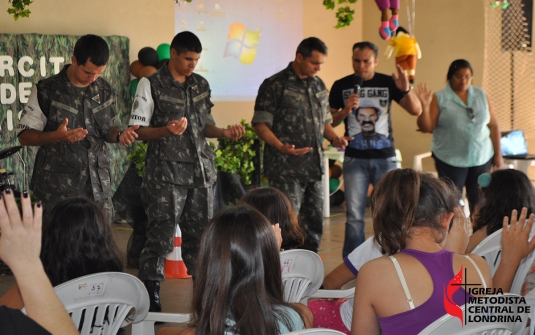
x=236, y=162
x=238, y=156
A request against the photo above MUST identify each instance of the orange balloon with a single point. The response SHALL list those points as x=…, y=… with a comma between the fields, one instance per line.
x=147, y=70
x=135, y=67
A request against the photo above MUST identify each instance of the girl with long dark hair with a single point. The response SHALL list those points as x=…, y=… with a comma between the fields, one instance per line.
x=238, y=286
x=276, y=207
x=77, y=241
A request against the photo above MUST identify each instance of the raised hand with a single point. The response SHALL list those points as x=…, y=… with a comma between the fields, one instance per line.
x=20, y=239
x=70, y=136
x=425, y=94
x=402, y=82
x=515, y=236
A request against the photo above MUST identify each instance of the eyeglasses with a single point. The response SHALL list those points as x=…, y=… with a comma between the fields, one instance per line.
x=461, y=77
x=471, y=114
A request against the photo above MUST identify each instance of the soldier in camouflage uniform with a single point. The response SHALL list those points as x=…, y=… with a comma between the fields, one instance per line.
x=291, y=116
x=70, y=116
x=173, y=108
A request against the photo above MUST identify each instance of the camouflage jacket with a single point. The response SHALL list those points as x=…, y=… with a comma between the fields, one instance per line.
x=296, y=110
x=64, y=168
x=185, y=159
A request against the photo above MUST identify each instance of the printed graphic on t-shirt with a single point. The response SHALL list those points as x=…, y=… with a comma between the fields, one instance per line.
x=368, y=124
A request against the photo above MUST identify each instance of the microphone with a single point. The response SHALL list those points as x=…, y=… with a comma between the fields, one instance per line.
x=357, y=83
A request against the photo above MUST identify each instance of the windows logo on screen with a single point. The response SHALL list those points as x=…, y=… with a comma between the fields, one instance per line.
x=242, y=43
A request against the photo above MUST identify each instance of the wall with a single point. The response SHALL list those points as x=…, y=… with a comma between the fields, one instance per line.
x=445, y=29
x=146, y=23
x=318, y=22
x=149, y=23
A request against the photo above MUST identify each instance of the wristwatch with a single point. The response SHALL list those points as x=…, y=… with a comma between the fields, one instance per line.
x=118, y=135
x=407, y=91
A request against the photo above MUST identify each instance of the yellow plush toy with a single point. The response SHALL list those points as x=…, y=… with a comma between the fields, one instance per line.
x=407, y=52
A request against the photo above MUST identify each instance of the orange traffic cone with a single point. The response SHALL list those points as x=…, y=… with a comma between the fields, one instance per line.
x=174, y=264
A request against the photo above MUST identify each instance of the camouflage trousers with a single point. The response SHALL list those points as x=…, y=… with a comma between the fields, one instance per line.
x=166, y=206
x=307, y=202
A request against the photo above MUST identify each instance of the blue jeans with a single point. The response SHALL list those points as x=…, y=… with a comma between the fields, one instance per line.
x=359, y=173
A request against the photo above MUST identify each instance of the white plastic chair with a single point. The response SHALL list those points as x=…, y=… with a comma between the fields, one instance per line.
x=417, y=162
x=491, y=250
x=146, y=326
x=101, y=303
x=447, y=324
x=302, y=274
x=330, y=294
x=315, y=331
x=521, y=273
x=530, y=301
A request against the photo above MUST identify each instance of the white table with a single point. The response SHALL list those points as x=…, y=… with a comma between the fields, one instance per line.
x=331, y=153
x=520, y=164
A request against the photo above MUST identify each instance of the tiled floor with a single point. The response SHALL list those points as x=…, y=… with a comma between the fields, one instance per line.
x=176, y=294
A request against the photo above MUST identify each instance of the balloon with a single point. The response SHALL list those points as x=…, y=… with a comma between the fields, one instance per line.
x=333, y=184
x=135, y=67
x=148, y=56
x=164, y=51
x=335, y=171
x=133, y=87
x=147, y=71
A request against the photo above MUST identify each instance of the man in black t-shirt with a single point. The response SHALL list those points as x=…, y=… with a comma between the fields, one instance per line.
x=367, y=160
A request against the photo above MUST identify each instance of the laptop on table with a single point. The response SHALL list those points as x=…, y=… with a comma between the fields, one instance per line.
x=514, y=145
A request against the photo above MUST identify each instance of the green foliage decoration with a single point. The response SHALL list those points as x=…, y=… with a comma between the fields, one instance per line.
x=18, y=8
x=344, y=14
x=138, y=157
x=236, y=156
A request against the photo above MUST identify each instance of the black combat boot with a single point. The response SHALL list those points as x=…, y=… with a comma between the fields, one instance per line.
x=153, y=288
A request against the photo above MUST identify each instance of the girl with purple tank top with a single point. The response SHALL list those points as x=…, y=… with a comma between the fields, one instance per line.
x=411, y=212
x=438, y=265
